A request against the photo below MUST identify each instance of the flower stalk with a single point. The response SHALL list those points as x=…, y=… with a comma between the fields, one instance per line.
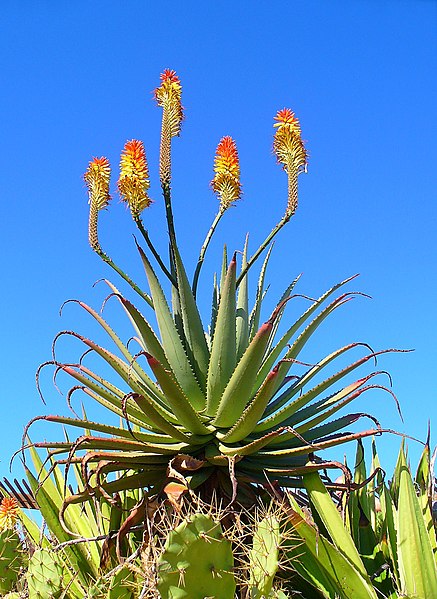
x=168, y=96
x=97, y=178
x=291, y=153
x=226, y=184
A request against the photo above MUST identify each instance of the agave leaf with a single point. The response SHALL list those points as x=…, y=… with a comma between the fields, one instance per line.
x=134, y=366
x=110, y=430
x=296, y=387
x=424, y=482
x=192, y=323
x=179, y=403
x=224, y=269
x=214, y=309
x=283, y=301
x=109, y=400
x=330, y=517
x=253, y=412
x=323, y=564
x=149, y=341
x=291, y=355
x=417, y=565
x=242, y=315
x=154, y=412
x=171, y=341
x=223, y=349
x=255, y=315
x=283, y=342
x=237, y=392
x=317, y=439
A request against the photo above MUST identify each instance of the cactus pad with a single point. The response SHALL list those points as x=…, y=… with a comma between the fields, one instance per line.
x=44, y=575
x=264, y=557
x=197, y=562
x=10, y=560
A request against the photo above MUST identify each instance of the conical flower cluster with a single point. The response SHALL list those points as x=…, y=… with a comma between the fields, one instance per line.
x=290, y=151
x=97, y=178
x=134, y=181
x=168, y=95
x=226, y=182
x=8, y=513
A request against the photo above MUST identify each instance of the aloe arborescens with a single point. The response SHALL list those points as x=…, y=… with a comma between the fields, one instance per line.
x=212, y=410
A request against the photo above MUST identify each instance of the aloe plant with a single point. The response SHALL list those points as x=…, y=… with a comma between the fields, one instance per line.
x=220, y=409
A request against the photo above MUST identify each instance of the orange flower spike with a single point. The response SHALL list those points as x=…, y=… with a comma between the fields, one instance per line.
x=168, y=96
x=134, y=181
x=290, y=151
x=8, y=513
x=97, y=178
x=226, y=182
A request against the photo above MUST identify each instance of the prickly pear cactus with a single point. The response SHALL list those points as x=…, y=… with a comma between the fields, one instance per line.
x=10, y=560
x=122, y=584
x=44, y=575
x=197, y=562
x=264, y=557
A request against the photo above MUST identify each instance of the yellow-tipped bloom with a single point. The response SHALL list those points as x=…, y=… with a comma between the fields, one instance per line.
x=168, y=95
x=8, y=513
x=97, y=178
x=290, y=151
x=226, y=182
x=134, y=181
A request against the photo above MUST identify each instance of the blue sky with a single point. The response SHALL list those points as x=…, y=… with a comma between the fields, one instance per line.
x=77, y=81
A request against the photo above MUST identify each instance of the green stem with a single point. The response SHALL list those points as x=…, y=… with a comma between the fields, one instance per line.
x=122, y=274
x=284, y=220
x=145, y=234
x=203, y=249
x=169, y=214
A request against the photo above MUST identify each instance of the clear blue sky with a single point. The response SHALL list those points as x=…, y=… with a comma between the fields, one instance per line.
x=76, y=82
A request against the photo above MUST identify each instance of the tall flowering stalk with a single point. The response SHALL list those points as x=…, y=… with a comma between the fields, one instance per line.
x=226, y=184
x=291, y=153
x=97, y=179
x=133, y=186
x=168, y=96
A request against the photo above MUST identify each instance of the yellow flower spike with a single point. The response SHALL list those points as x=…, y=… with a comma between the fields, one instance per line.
x=226, y=182
x=134, y=181
x=97, y=178
x=290, y=151
x=8, y=513
x=168, y=96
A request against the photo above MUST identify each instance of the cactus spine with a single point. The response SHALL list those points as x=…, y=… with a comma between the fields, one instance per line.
x=45, y=575
x=197, y=561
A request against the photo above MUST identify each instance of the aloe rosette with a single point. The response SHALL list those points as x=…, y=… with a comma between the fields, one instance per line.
x=220, y=410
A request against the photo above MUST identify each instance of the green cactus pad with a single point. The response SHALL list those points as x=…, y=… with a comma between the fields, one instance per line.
x=10, y=560
x=264, y=557
x=44, y=575
x=197, y=562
